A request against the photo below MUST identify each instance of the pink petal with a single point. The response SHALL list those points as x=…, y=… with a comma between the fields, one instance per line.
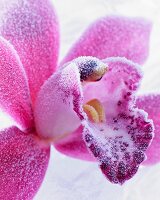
x=23, y=163
x=114, y=36
x=151, y=104
x=58, y=103
x=14, y=92
x=31, y=26
x=119, y=144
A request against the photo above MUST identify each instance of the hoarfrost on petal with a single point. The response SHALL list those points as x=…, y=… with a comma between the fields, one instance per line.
x=23, y=164
x=14, y=91
x=32, y=27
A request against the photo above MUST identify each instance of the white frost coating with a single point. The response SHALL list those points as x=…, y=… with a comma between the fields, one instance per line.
x=129, y=62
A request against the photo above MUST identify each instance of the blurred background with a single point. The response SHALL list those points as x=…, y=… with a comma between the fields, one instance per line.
x=71, y=179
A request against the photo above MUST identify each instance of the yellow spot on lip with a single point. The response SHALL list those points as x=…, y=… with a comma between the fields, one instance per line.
x=95, y=111
x=91, y=113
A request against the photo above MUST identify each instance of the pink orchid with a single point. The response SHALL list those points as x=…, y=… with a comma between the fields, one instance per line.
x=70, y=104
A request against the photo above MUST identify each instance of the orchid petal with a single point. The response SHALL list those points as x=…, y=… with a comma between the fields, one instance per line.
x=23, y=163
x=58, y=104
x=14, y=92
x=32, y=27
x=114, y=36
x=150, y=103
x=119, y=144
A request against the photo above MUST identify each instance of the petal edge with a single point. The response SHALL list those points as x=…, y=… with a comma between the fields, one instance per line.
x=114, y=36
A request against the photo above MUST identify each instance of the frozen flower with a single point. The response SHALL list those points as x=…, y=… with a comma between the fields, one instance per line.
x=86, y=109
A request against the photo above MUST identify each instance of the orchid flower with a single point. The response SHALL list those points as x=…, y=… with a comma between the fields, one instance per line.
x=86, y=108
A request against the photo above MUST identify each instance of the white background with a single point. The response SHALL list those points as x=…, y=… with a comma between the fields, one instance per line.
x=70, y=179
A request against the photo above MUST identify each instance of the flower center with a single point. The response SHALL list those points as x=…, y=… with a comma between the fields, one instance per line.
x=59, y=113
x=92, y=69
x=95, y=111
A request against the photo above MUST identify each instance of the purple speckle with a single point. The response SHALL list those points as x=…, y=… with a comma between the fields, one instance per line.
x=138, y=156
x=119, y=103
x=88, y=138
